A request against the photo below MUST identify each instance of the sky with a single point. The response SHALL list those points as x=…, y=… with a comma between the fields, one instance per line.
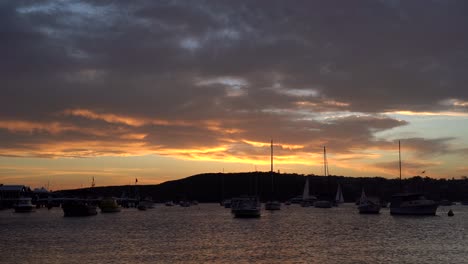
x=161, y=90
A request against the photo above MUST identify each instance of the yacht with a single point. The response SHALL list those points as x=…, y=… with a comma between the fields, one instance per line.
x=78, y=207
x=412, y=204
x=146, y=203
x=24, y=205
x=109, y=205
x=367, y=206
x=245, y=207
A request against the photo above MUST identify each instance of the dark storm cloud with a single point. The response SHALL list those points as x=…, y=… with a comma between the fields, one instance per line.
x=241, y=64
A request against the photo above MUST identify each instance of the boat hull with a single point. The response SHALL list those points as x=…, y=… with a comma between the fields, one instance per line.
x=110, y=209
x=246, y=207
x=369, y=209
x=323, y=204
x=244, y=213
x=272, y=206
x=71, y=210
x=414, y=210
x=24, y=209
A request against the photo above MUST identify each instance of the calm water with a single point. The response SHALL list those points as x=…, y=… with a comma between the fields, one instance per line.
x=207, y=233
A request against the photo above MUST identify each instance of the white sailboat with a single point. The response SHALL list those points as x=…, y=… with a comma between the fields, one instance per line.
x=339, y=199
x=272, y=204
x=307, y=199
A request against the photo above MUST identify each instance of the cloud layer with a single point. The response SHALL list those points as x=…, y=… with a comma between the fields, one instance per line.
x=215, y=80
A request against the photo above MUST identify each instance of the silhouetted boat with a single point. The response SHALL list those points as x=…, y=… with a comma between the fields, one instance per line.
x=145, y=204
x=306, y=200
x=185, y=203
x=367, y=206
x=273, y=204
x=411, y=203
x=78, y=207
x=109, y=205
x=246, y=207
x=325, y=203
x=227, y=203
x=24, y=205
x=446, y=203
x=339, y=199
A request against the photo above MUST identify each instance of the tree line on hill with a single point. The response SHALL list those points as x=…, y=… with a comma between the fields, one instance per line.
x=214, y=187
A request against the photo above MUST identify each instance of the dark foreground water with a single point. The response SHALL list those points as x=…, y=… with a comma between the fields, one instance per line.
x=207, y=233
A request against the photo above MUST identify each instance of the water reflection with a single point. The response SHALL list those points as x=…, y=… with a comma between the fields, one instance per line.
x=209, y=234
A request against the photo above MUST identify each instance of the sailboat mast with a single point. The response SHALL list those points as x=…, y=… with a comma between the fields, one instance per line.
x=399, y=160
x=271, y=169
x=324, y=161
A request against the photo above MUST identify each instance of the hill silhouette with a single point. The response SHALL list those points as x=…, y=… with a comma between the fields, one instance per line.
x=214, y=187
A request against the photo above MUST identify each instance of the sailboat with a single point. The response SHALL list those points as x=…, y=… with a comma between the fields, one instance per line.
x=307, y=199
x=367, y=206
x=411, y=203
x=339, y=199
x=324, y=203
x=272, y=204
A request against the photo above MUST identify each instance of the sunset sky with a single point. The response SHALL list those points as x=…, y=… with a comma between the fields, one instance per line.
x=161, y=90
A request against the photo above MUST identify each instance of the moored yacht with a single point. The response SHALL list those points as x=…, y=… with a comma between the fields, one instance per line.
x=78, y=207
x=146, y=203
x=109, y=205
x=24, y=205
x=246, y=207
x=412, y=204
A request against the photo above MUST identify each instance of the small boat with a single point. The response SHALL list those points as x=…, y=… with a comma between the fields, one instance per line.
x=146, y=203
x=169, y=203
x=323, y=204
x=78, y=207
x=367, y=206
x=246, y=207
x=185, y=203
x=227, y=203
x=24, y=205
x=109, y=205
